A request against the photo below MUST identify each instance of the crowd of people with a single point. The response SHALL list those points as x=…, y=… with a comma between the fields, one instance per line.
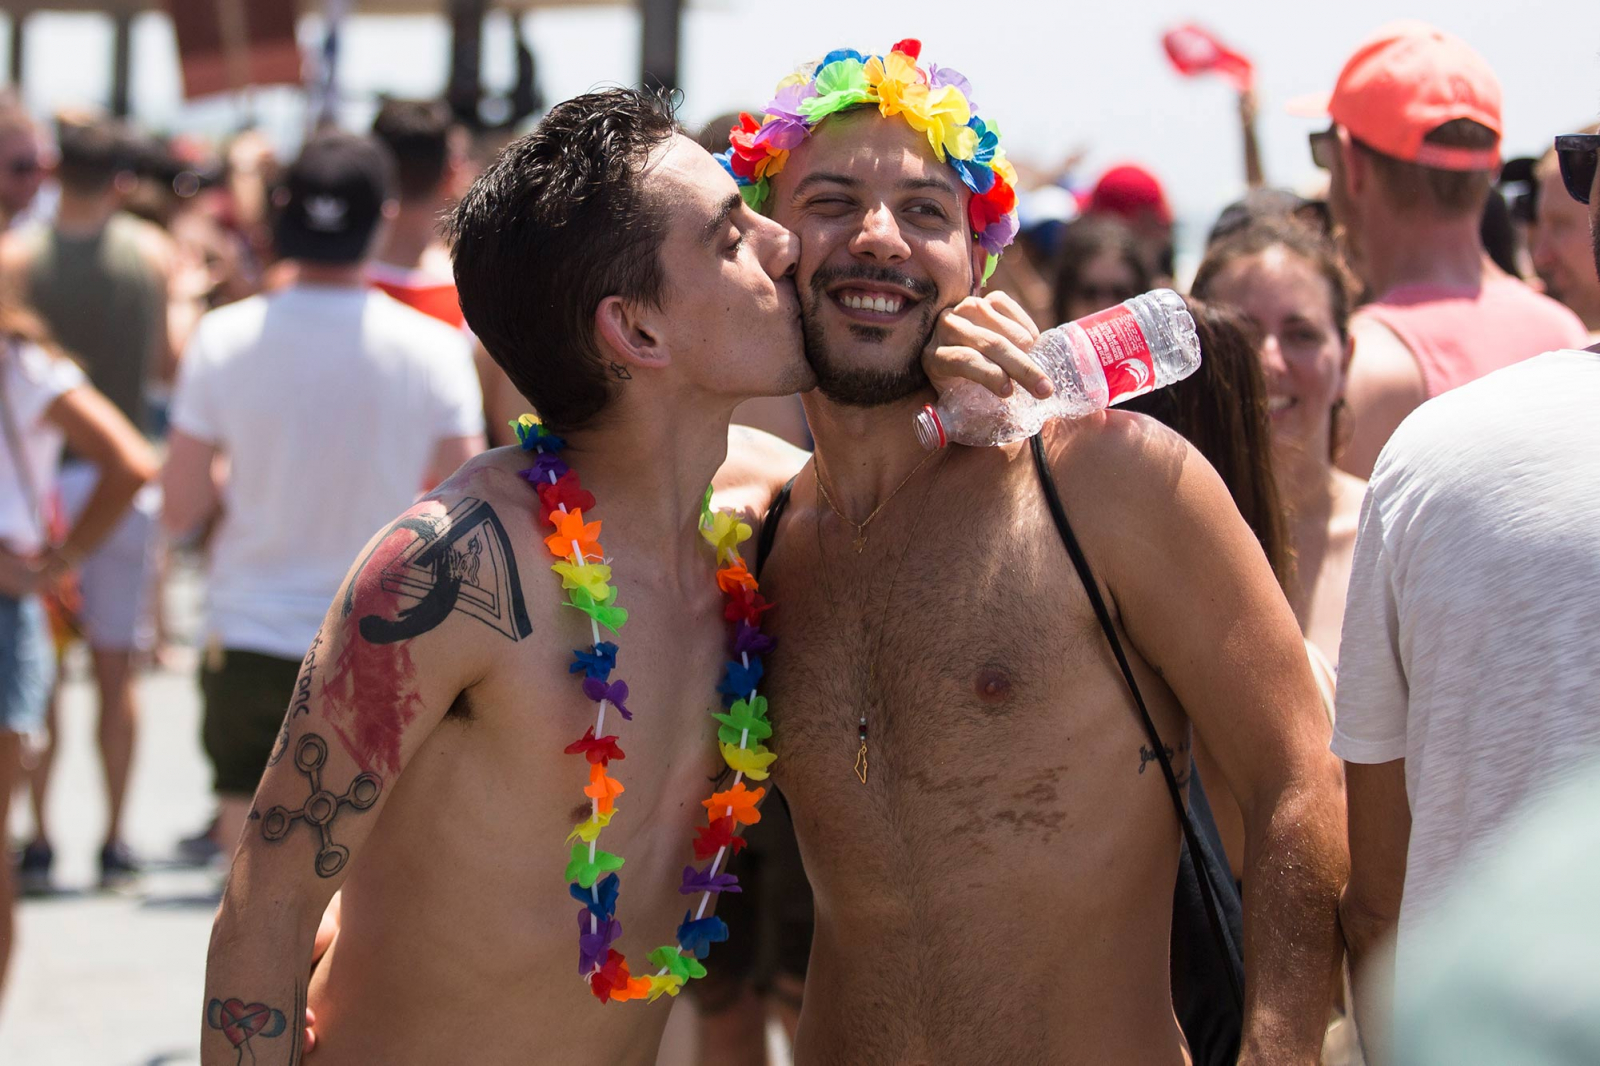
x=1217, y=776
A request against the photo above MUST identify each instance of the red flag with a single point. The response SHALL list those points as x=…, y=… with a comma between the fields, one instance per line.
x=1195, y=50
x=226, y=45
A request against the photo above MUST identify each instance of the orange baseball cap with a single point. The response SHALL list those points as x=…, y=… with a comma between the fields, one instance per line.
x=1405, y=82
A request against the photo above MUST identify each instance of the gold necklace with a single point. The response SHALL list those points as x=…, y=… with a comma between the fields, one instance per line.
x=883, y=612
x=860, y=541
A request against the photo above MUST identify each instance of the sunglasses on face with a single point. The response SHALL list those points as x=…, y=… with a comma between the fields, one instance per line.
x=1576, y=153
x=1325, y=147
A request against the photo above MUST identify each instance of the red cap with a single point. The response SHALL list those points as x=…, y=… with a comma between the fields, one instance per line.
x=1405, y=82
x=1129, y=190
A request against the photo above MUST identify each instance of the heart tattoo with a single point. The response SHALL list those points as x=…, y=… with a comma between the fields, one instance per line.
x=240, y=1022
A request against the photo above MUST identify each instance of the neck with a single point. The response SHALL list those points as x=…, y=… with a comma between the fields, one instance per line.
x=331, y=276
x=649, y=474
x=1586, y=305
x=410, y=234
x=1412, y=251
x=1305, y=477
x=81, y=216
x=864, y=453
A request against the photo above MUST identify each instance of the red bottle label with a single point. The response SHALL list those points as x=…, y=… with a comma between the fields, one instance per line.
x=1118, y=341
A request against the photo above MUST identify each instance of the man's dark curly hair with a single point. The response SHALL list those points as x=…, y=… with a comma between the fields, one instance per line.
x=557, y=223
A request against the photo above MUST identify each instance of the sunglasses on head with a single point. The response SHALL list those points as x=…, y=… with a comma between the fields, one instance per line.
x=1576, y=153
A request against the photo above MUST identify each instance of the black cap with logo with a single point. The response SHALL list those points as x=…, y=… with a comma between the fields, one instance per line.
x=331, y=199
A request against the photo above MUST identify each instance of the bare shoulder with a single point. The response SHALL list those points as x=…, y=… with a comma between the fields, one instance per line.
x=154, y=241
x=1125, y=462
x=757, y=467
x=1381, y=357
x=451, y=562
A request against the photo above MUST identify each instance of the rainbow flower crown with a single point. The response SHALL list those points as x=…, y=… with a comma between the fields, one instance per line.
x=936, y=101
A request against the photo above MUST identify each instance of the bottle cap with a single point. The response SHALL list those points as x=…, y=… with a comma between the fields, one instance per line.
x=930, y=431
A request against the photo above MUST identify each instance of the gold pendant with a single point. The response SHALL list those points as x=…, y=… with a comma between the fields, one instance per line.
x=860, y=543
x=861, y=763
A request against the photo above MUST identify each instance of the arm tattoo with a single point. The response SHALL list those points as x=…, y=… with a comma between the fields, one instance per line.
x=241, y=1022
x=621, y=372
x=461, y=561
x=322, y=807
x=300, y=704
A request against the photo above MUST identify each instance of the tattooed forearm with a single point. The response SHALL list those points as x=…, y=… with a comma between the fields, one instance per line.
x=461, y=561
x=322, y=807
x=241, y=1023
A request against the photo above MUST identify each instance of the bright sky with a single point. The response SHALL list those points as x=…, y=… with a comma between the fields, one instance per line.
x=1054, y=75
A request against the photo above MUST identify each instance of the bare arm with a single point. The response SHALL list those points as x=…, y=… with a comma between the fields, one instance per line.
x=1199, y=601
x=1385, y=384
x=1380, y=834
x=96, y=430
x=381, y=675
x=1254, y=176
x=190, y=493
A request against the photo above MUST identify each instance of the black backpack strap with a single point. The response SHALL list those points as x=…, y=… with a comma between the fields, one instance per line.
x=769, y=524
x=1081, y=564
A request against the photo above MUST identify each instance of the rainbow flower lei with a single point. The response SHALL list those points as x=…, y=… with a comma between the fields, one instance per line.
x=934, y=100
x=585, y=575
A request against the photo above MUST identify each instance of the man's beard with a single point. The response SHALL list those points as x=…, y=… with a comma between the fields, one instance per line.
x=859, y=386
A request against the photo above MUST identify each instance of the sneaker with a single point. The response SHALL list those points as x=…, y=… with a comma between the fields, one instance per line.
x=33, y=869
x=199, y=849
x=117, y=865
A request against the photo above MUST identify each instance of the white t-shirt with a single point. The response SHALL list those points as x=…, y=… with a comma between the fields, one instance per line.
x=1471, y=643
x=329, y=404
x=34, y=379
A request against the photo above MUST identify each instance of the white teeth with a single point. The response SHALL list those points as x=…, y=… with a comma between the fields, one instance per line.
x=882, y=304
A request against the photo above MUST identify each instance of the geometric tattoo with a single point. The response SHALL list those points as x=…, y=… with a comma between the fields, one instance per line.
x=461, y=561
x=240, y=1021
x=321, y=807
x=620, y=372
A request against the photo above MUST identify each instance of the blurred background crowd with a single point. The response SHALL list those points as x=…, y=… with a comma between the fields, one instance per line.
x=217, y=217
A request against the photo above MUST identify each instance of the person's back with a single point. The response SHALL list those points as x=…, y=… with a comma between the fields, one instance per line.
x=1468, y=644
x=330, y=403
x=110, y=271
x=1458, y=334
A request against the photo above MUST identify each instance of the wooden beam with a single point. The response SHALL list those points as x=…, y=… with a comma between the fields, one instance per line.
x=19, y=34
x=121, y=62
x=658, y=50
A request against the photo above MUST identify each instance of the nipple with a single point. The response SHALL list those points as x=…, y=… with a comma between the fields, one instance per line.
x=993, y=685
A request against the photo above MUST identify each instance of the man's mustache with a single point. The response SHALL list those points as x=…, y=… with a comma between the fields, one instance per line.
x=828, y=276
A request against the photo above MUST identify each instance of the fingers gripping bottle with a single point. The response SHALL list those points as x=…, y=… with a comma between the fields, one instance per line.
x=1142, y=344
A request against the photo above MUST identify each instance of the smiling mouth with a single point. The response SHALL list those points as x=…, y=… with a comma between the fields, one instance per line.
x=872, y=304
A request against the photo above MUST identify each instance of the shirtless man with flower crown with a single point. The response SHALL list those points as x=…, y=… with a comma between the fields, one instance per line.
x=993, y=868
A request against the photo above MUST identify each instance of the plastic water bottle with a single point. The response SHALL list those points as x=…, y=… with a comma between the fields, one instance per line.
x=1142, y=344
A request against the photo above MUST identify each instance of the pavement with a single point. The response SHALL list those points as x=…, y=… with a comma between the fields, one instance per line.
x=116, y=978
